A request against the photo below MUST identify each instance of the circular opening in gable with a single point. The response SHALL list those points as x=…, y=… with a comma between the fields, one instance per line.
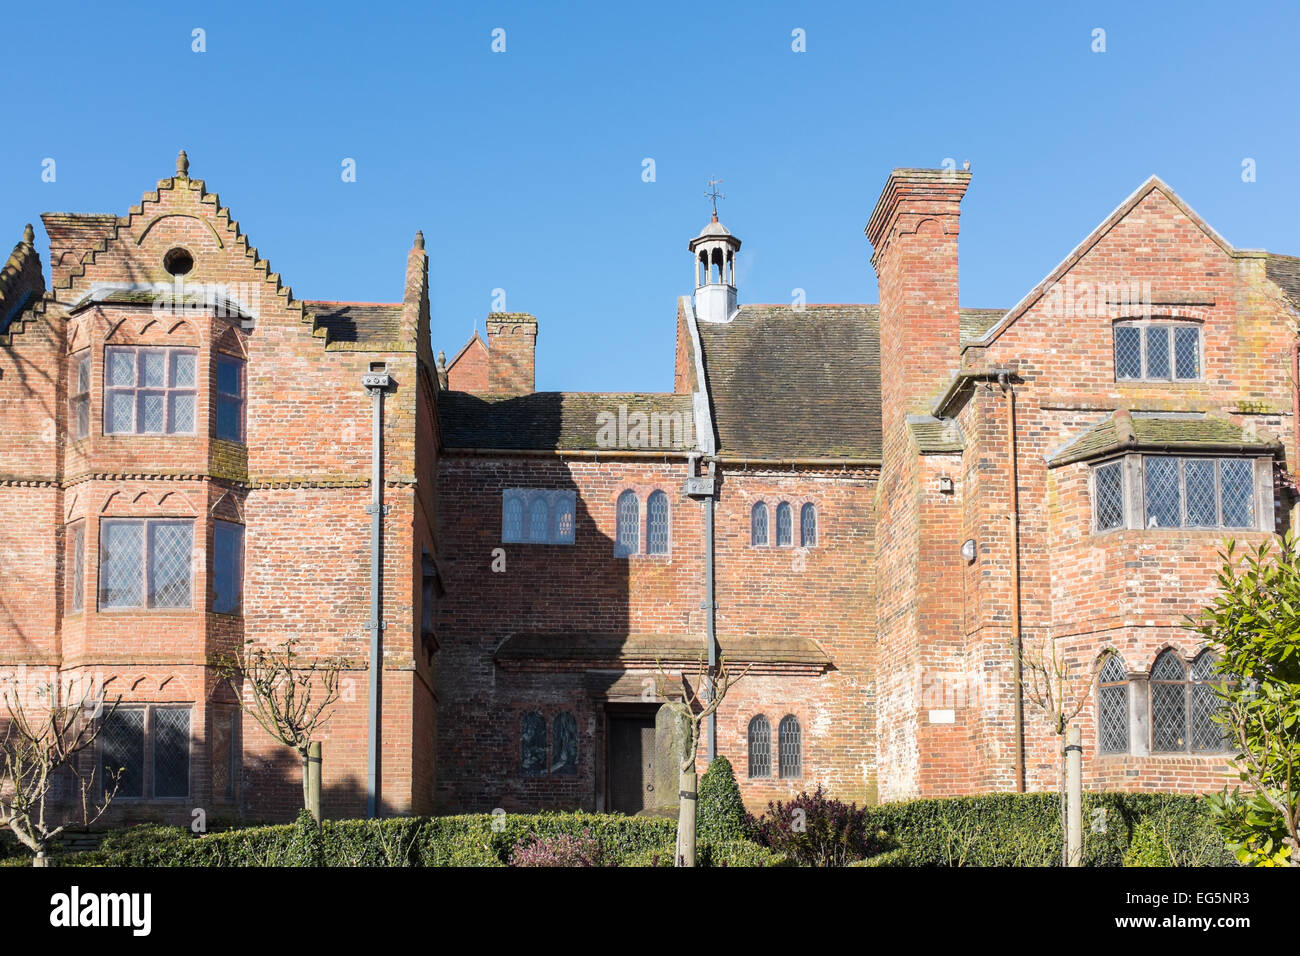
x=178, y=262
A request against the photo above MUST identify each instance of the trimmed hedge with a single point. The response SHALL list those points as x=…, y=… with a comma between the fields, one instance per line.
x=1139, y=829
x=1025, y=830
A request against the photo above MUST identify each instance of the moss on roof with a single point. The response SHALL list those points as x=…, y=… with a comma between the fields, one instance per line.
x=1161, y=432
x=567, y=420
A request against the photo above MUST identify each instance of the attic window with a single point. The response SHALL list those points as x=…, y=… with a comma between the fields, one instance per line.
x=178, y=262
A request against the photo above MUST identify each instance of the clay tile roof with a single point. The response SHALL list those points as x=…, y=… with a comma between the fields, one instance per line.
x=1173, y=432
x=1285, y=272
x=795, y=384
x=651, y=648
x=562, y=420
x=358, y=321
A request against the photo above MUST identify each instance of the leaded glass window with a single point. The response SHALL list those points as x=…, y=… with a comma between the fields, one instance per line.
x=784, y=525
x=1204, y=701
x=1161, y=351
x=121, y=751
x=1168, y=704
x=1237, y=492
x=231, y=397
x=171, y=751
x=77, y=567
x=80, y=392
x=145, y=563
x=169, y=563
x=227, y=567
x=149, y=391
x=1163, y=493
x=564, y=520
x=512, y=522
x=1112, y=706
x=789, y=748
x=564, y=761
x=532, y=734
x=1199, y=492
x=758, y=525
x=656, y=512
x=1108, y=495
x=808, y=526
x=627, y=535
x=1128, y=352
x=537, y=516
x=760, y=747
x=538, y=520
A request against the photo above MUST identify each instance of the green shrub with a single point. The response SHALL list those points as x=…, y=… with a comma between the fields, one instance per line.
x=739, y=853
x=655, y=857
x=1010, y=829
x=1147, y=847
x=721, y=813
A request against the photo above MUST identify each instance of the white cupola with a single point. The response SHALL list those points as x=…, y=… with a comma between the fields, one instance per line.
x=714, y=251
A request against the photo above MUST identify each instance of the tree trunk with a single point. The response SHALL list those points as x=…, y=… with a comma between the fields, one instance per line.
x=40, y=859
x=686, y=787
x=313, y=779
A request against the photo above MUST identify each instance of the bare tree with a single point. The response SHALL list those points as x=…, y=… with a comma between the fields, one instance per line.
x=1060, y=690
x=693, y=711
x=38, y=749
x=290, y=696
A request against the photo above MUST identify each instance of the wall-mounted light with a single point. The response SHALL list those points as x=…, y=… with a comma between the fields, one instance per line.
x=945, y=484
x=968, y=550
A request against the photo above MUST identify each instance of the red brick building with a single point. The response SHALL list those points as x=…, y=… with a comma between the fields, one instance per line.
x=186, y=467
x=868, y=506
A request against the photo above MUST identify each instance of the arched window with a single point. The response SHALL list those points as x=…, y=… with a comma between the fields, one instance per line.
x=656, y=514
x=758, y=525
x=538, y=520
x=514, y=520
x=789, y=748
x=628, y=535
x=564, y=520
x=532, y=741
x=1203, y=703
x=808, y=526
x=784, y=525
x=564, y=762
x=760, y=747
x=1168, y=704
x=1112, y=706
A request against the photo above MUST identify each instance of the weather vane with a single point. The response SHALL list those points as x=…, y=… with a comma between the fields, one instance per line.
x=714, y=195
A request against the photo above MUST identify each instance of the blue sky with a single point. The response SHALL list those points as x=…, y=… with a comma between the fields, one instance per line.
x=524, y=168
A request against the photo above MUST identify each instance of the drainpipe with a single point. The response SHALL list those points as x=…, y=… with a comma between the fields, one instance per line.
x=710, y=612
x=1004, y=380
x=1295, y=406
x=376, y=381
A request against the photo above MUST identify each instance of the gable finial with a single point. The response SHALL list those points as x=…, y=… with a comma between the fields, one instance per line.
x=29, y=235
x=419, y=238
x=714, y=195
x=182, y=165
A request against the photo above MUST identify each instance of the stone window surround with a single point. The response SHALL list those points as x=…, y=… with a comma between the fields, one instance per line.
x=1134, y=490
x=1139, y=709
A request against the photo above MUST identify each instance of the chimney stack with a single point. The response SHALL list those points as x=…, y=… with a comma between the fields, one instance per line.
x=913, y=232
x=512, y=349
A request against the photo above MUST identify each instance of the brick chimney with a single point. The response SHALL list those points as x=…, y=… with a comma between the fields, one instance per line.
x=913, y=232
x=512, y=347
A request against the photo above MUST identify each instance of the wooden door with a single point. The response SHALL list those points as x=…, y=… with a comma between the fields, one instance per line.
x=631, y=763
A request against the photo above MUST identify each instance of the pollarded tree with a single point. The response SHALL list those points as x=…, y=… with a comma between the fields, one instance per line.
x=1255, y=622
x=44, y=787
x=290, y=696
